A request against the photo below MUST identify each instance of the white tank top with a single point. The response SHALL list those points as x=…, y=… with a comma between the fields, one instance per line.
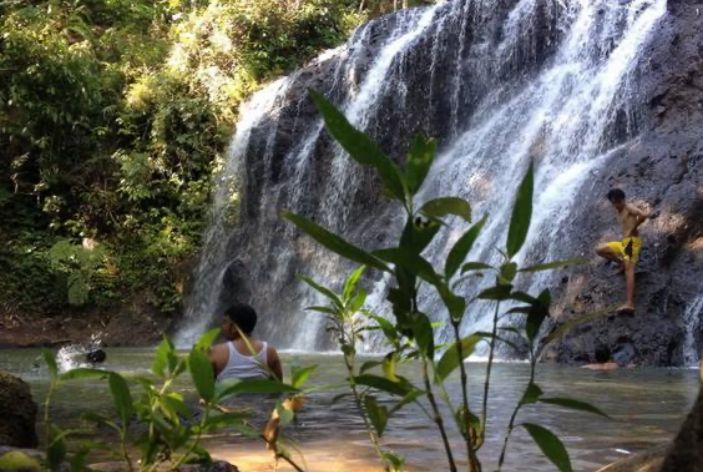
x=240, y=366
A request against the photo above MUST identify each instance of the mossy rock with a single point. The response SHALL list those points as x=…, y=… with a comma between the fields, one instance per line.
x=18, y=461
x=18, y=413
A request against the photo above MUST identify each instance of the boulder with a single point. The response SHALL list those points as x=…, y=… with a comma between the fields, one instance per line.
x=18, y=413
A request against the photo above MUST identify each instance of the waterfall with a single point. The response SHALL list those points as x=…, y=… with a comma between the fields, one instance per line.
x=693, y=320
x=497, y=83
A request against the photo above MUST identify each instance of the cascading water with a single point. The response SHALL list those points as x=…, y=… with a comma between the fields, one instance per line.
x=497, y=83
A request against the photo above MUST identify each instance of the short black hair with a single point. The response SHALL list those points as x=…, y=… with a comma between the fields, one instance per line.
x=616, y=195
x=243, y=316
x=602, y=354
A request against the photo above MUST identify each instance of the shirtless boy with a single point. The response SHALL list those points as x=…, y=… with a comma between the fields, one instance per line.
x=627, y=251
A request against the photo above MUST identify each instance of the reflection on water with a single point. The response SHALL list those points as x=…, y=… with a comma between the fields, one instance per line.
x=647, y=407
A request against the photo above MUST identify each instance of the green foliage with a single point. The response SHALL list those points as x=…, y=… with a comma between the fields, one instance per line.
x=165, y=430
x=113, y=118
x=411, y=335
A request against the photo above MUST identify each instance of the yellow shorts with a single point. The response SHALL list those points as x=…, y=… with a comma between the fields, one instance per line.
x=628, y=248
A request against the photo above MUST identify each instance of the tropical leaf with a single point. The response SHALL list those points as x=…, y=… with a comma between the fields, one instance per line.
x=550, y=445
x=329, y=294
x=451, y=359
x=461, y=249
x=359, y=146
x=420, y=158
x=202, y=373
x=574, y=405
x=444, y=206
x=334, y=243
x=522, y=214
x=121, y=396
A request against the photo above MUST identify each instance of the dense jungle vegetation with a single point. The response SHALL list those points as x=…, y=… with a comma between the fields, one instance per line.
x=113, y=116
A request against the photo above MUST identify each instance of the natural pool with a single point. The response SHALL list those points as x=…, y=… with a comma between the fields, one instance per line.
x=647, y=406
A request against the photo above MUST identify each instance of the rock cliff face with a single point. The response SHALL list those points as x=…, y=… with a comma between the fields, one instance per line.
x=661, y=165
x=597, y=94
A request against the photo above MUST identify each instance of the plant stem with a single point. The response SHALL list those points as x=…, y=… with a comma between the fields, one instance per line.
x=487, y=382
x=473, y=465
x=195, y=443
x=511, y=424
x=47, y=406
x=437, y=415
x=123, y=447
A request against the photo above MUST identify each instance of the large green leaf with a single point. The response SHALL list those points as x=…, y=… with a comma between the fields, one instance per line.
x=202, y=373
x=329, y=294
x=301, y=375
x=555, y=264
x=351, y=283
x=498, y=292
x=418, y=233
x=469, y=266
x=461, y=249
x=450, y=359
x=536, y=315
x=164, y=352
x=121, y=396
x=531, y=395
x=424, y=335
x=378, y=414
x=207, y=339
x=415, y=263
x=359, y=146
x=574, y=405
x=522, y=213
x=443, y=206
x=422, y=153
x=551, y=446
x=383, y=384
x=334, y=243
x=83, y=373
x=256, y=386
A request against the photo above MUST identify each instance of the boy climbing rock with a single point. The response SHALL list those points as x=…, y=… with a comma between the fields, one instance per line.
x=627, y=251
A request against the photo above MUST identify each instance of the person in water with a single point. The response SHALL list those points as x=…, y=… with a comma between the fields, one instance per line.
x=627, y=251
x=604, y=360
x=241, y=356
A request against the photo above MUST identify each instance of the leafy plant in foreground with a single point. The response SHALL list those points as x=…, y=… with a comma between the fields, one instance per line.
x=347, y=326
x=170, y=431
x=412, y=335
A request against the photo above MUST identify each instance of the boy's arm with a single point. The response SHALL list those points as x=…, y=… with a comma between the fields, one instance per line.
x=639, y=214
x=274, y=363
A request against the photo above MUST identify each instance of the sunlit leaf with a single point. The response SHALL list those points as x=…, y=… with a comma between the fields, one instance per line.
x=359, y=146
x=300, y=376
x=522, y=214
x=443, y=206
x=334, y=243
x=550, y=445
x=207, y=339
x=351, y=282
x=83, y=373
x=451, y=359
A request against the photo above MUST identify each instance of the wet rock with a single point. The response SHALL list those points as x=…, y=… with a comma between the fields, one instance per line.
x=18, y=413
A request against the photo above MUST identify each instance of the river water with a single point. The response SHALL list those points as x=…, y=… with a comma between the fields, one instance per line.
x=646, y=405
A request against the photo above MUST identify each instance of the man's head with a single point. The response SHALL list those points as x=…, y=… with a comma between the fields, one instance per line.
x=616, y=197
x=238, y=315
x=602, y=354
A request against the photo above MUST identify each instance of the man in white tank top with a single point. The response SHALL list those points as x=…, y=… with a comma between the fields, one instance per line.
x=241, y=358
